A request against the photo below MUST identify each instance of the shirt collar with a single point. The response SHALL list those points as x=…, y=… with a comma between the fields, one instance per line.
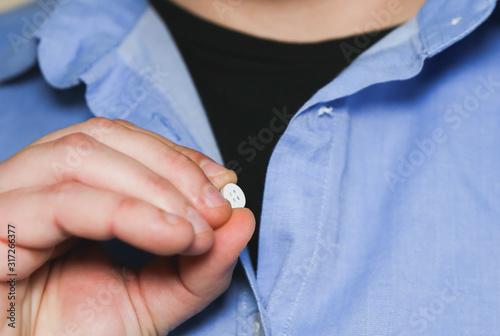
x=75, y=34
x=80, y=32
x=17, y=46
x=123, y=53
x=438, y=25
x=89, y=40
x=71, y=35
x=443, y=22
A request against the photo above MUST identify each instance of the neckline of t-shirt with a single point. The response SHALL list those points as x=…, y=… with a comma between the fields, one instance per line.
x=216, y=38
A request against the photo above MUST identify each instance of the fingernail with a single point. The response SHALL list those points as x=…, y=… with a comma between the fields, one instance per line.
x=210, y=168
x=213, y=198
x=199, y=223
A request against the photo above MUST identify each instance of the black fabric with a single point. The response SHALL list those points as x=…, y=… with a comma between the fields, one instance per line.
x=251, y=87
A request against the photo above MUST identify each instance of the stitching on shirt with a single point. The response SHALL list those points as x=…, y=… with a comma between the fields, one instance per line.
x=321, y=226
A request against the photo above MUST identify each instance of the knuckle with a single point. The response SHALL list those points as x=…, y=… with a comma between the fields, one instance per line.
x=126, y=205
x=62, y=188
x=158, y=184
x=98, y=123
x=69, y=152
x=75, y=140
x=60, y=192
x=178, y=161
x=194, y=155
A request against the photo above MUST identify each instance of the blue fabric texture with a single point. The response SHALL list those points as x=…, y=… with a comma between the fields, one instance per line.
x=381, y=210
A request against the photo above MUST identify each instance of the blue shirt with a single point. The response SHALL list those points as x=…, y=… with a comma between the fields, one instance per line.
x=381, y=210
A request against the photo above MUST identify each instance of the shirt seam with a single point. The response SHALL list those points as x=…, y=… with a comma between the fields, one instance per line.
x=321, y=226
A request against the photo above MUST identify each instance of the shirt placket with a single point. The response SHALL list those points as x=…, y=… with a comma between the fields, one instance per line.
x=305, y=171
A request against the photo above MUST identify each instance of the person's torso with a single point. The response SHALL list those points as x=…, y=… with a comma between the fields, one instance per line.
x=381, y=209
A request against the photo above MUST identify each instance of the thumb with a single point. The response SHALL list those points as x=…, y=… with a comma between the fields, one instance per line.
x=199, y=279
x=211, y=272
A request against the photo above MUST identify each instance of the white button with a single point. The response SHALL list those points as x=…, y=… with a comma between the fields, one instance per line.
x=234, y=195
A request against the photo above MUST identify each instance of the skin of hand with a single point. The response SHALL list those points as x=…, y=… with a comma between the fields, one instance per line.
x=105, y=179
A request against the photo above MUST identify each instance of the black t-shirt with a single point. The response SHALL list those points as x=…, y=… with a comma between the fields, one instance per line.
x=251, y=87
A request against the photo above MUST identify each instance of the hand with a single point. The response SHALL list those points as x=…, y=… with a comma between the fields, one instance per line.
x=107, y=179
